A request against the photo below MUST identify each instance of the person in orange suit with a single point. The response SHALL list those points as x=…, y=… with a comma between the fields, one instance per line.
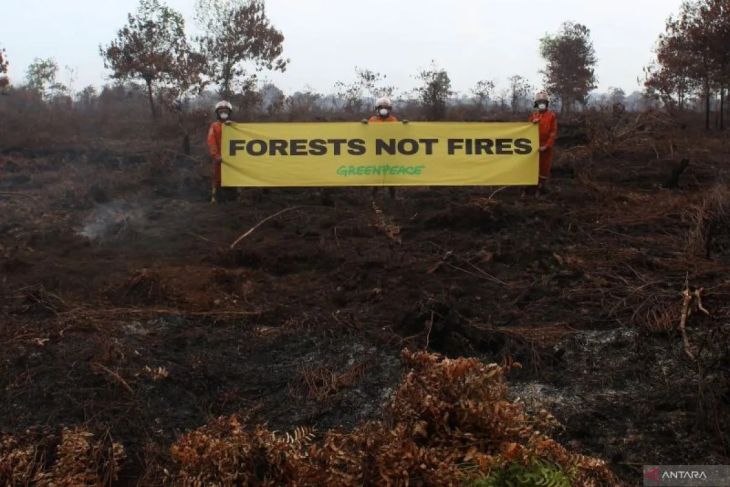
x=548, y=125
x=383, y=111
x=223, y=111
x=383, y=114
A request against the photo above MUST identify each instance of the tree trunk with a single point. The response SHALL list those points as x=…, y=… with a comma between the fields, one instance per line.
x=707, y=105
x=722, y=108
x=152, y=100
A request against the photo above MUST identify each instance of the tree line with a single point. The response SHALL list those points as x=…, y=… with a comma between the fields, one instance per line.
x=238, y=42
x=693, y=58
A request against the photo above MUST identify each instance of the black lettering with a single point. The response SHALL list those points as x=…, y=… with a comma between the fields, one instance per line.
x=484, y=146
x=504, y=146
x=256, y=148
x=454, y=145
x=429, y=144
x=235, y=146
x=408, y=147
x=337, y=145
x=356, y=147
x=317, y=147
x=297, y=147
x=523, y=147
x=380, y=146
x=277, y=146
x=469, y=146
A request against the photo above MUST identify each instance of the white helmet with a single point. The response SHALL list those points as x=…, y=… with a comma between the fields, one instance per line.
x=223, y=105
x=383, y=102
x=542, y=96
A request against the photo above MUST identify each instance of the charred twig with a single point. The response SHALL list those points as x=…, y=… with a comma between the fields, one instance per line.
x=8, y=193
x=156, y=311
x=480, y=274
x=698, y=296
x=259, y=224
x=200, y=237
x=438, y=264
x=495, y=192
x=430, y=327
x=271, y=217
x=116, y=377
x=686, y=300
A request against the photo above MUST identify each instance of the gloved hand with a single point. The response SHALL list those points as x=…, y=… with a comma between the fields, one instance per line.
x=364, y=120
x=543, y=148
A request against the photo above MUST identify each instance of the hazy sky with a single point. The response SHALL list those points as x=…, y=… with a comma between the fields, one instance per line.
x=326, y=39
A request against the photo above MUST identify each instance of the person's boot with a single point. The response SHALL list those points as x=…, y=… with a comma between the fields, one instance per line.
x=542, y=189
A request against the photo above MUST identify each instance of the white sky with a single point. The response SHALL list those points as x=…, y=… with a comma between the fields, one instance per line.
x=326, y=39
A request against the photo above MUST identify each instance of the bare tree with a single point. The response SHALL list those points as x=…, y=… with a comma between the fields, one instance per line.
x=150, y=47
x=483, y=92
x=693, y=55
x=4, y=81
x=367, y=85
x=303, y=104
x=519, y=92
x=435, y=91
x=571, y=60
x=616, y=96
x=238, y=36
x=41, y=78
x=87, y=97
x=272, y=99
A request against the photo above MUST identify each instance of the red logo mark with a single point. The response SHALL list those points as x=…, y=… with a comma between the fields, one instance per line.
x=652, y=474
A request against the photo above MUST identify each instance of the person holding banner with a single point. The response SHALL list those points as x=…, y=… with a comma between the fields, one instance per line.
x=548, y=124
x=383, y=114
x=223, y=111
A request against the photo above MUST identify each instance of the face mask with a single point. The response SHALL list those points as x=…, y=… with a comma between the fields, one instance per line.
x=384, y=112
x=223, y=115
x=542, y=106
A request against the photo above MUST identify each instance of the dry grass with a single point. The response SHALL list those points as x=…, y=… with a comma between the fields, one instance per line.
x=79, y=459
x=448, y=423
x=321, y=383
x=711, y=212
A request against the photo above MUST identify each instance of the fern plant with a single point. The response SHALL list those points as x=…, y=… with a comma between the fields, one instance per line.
x=537, y=474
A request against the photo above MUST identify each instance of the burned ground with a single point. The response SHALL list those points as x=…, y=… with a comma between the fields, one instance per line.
x=126, y=310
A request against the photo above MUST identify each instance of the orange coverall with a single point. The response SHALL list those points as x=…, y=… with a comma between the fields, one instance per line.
x=214, y=147
x=377, y=119
x=548, y=133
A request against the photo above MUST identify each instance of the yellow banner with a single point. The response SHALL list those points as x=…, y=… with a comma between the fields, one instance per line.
x=386, y=154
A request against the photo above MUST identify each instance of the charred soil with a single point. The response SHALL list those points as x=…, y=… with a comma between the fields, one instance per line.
x=124, y=308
